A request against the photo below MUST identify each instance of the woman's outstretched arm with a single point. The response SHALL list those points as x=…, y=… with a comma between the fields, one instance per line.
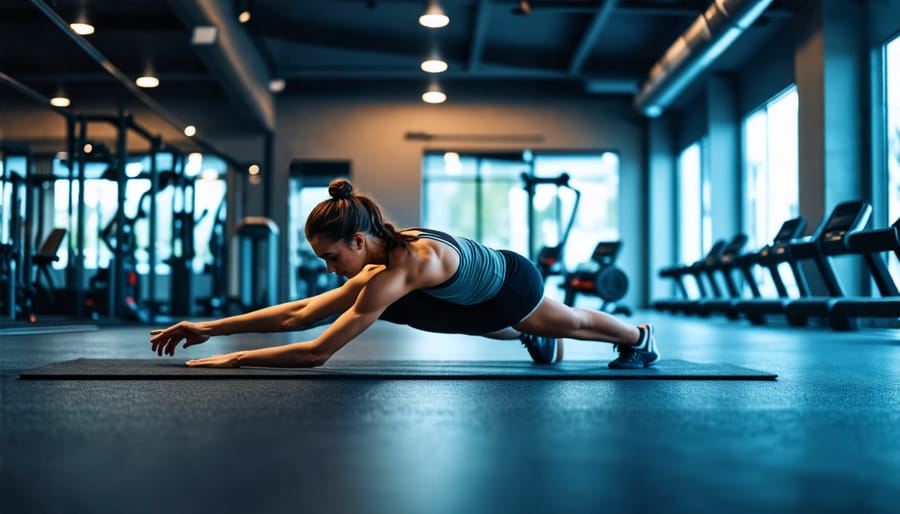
x=277, y=318
x=381, y=291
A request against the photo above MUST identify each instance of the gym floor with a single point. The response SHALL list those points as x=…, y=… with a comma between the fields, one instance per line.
x=824, y=437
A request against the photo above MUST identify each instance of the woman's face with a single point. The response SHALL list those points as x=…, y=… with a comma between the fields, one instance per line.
x=342, y=258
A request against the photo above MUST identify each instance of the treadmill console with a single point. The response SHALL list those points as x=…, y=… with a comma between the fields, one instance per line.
x=846, y=217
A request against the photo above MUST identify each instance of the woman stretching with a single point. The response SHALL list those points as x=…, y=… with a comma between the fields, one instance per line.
x=418, y=277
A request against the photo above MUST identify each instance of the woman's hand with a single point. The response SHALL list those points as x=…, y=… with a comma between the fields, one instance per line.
x=228, y=360
x=166, y=340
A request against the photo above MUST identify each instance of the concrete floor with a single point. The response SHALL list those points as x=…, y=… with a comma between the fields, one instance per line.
x=824, y=437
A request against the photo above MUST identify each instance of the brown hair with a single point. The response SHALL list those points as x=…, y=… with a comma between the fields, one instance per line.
x=347, y=213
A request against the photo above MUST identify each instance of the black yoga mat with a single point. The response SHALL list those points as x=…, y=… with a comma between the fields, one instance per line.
x=171, y=369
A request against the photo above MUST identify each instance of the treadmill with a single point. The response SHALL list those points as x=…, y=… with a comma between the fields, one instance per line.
x=845, y=219
x=678, y=272
x=871, y=244
x=771, y=257
x=723, y=265
x=790, y=230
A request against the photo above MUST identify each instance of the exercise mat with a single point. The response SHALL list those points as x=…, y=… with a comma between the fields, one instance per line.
x=171, y=369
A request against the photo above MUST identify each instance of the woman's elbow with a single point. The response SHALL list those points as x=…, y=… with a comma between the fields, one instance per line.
x=310, y=357
x=317, y=359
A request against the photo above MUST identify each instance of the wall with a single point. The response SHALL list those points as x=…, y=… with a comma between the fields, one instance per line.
x=371, y=134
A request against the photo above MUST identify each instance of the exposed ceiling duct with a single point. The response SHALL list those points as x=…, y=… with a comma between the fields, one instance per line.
x=707, y=38
x=226, y=49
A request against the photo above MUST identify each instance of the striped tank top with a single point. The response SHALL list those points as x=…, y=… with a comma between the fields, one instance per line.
x=480, y=275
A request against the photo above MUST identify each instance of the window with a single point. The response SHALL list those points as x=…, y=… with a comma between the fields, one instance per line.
x=12, y=194
x=771, y=174
x=695, y=222
x=483, y=197
x=892, y=133
x=308, y=185
x=203, y=193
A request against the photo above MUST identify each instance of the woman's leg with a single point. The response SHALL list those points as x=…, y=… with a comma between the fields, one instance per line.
x=556, y=319
x=505, y=334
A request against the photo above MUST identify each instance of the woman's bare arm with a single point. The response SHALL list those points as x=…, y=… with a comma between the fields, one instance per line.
x=381, y=291
x=277, y=318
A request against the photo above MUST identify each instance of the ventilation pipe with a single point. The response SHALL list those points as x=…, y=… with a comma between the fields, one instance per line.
x=707, y=38
x=226, y=49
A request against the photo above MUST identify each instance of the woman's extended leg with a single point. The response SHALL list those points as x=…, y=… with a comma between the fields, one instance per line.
x=505, y=334
x=553, y=318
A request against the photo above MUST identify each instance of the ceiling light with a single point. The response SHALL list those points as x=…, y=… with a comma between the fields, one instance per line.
x=87, y=148
x=253, y=169
x=82, y=29
x=244, y=17
x=190, y=131
x=277, y=85
x=434, y=66
x=60, y=101
x=204, y=35
x=434, y=96
x=147, y=81
x=434, y=17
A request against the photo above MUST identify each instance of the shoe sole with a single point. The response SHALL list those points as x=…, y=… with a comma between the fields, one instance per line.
x=655, y=350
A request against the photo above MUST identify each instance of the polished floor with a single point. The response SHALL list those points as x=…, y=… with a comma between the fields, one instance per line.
x=824, y=437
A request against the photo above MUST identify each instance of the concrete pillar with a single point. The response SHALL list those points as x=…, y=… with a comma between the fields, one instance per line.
x=661, y=215
x=829, y=68
x=723, y=156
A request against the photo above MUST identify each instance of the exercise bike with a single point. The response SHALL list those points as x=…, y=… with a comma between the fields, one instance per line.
x=599, y=277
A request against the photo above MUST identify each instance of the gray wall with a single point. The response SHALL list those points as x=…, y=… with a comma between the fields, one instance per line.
x=371, y=134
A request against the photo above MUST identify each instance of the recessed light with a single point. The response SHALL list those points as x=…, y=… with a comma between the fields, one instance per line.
x=82, y=29
x=60, y=101
x=244, y=17
x=147, y=81
x=434, y=66
x=434, y=17
x=434, y=97
x=190, y=131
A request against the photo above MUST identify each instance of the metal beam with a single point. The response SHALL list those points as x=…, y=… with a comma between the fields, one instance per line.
x=482, y=15
x=110, y=68
x=232, y=58
x=589, y=40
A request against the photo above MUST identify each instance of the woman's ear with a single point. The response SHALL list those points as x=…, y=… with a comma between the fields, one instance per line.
x=359, y=241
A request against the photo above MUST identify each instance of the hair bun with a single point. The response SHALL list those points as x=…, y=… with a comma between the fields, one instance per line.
x=340, y=188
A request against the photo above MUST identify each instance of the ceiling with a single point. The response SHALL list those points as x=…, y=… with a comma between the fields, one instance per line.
x=565, y=47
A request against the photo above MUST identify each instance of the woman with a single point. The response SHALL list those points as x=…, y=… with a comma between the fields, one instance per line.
x=418, y=277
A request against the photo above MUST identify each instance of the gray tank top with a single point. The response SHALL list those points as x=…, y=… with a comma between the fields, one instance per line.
x=480, y=275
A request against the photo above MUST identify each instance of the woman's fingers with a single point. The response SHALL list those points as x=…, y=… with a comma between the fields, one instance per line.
x=227, y=360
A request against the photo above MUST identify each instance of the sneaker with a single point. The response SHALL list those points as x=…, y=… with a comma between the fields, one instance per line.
x=543, y=350
x=641, y=356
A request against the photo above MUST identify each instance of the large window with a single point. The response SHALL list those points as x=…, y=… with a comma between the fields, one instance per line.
x=771, y=173
x=483, y=196
x=308, y=185
x=694, y=220
x=892, y=130
x=201, y=192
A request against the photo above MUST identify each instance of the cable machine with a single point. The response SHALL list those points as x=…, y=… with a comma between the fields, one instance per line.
x=549, y=259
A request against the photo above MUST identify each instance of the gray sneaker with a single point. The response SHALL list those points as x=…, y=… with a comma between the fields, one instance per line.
x=543, y=350
x=641, y=356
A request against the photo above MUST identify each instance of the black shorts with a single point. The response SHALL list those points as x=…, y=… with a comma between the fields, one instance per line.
x=520, y=294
